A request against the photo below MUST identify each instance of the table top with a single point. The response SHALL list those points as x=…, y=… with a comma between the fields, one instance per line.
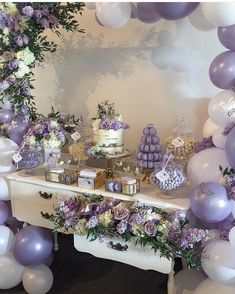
x=148, y=194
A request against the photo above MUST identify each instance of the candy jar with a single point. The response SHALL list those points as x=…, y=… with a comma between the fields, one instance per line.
x=149, y=150
x=181, y=143
x=168, y=176
x=28, y=158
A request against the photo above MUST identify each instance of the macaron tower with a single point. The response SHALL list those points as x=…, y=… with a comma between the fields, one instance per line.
x=150, y=149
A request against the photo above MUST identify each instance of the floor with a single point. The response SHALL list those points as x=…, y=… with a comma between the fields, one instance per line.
x=81, y=273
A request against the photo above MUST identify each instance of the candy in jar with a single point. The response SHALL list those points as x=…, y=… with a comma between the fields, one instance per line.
x=181, y=144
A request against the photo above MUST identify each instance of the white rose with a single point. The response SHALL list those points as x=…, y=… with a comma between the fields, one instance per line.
x=22, y=71
x=26, y=56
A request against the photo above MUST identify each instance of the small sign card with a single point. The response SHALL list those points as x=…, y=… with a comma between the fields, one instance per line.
x=162, y=175
x=177, y=142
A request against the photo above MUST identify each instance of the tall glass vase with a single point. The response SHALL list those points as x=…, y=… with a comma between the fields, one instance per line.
x=52, y=156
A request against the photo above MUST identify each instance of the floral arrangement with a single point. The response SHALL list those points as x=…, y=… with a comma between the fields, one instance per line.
x=93, y=150
x=99, y=217
x=107, y=119
x=52, y=131
x=22, y=45
x=229, y=181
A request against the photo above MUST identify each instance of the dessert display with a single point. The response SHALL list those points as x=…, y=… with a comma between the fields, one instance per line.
x=150, y=149
x=181, y=143
x=108, y=128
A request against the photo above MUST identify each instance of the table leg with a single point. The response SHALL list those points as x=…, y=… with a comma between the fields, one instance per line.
x=171, y=282
x=56, y=244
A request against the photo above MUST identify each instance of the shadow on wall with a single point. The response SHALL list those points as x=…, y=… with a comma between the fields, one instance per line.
x=82, y=61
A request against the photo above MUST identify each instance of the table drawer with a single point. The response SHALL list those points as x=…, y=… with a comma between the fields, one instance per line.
x=37, y=193
x=30, y=212
x=141, y=257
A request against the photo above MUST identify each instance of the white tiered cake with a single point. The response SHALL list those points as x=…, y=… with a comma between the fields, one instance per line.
x=108, y=129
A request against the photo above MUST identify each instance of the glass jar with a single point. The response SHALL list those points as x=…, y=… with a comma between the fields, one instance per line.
x=168, y=176
x=31, y=156
x=182, y=143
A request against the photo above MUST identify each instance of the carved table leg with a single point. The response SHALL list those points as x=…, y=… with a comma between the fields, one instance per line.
x=171, y=282
x=56, y=245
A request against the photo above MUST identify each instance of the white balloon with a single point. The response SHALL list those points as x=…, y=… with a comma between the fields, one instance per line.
x=4, y=191
x=187, y=280
x=113, y=14
x=11, y=271
x=211, y=287
x=37, y=279
x=218, y=262
x=219, y=139
x=198, y=20
x=6, y=238
x=219, y=13
x=209, y=128
x=221, y=108
x=7, y=149
x=91, y=5
x=204, y=166
x=231, y=236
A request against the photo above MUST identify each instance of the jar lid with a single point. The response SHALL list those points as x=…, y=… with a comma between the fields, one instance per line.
x=128, y=180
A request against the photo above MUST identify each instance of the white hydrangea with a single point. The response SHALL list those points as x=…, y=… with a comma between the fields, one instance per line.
x=11, y=8
x=22, y=70
x=26, y=56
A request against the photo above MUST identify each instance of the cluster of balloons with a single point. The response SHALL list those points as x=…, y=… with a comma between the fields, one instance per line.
x=116, y=15
x=25, y=253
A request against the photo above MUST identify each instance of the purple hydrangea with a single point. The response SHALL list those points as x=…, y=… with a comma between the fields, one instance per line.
x=121, y=227
x=45, y=11
x=44, y=23
x=136, y=219
x=28, y=11
x=105, y=123
x=13, y=64
x=92, y=222
x=38, y=14
x=120, y=212
x=102, y=208
x=4, y=85
x=150, y=229
x=191, y=236
x=204, y=144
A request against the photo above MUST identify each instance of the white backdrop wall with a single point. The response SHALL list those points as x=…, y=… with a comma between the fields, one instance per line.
x=115, y=64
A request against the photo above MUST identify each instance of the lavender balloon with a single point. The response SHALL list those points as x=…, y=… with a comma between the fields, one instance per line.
x=227, y=36
x=230, y=147
x=175, y=10
x=17, y=130
x=209, y=202
x=32, y=245
x=146, y=12
x=4, y=212
x=222, y=70
x=6, y=115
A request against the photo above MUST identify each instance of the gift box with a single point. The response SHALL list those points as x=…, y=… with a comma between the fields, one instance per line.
x=91, y=178
x=63, y=176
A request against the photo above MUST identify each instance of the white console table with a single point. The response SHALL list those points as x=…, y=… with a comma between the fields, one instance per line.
x=33, y=200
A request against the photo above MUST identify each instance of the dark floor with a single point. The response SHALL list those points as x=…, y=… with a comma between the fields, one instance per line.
x=81, y=273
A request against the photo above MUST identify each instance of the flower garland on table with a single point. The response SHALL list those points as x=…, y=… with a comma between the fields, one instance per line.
x=99, y=217
x=22, y=45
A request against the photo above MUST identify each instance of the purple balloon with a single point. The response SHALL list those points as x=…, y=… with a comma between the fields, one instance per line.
x=209, y=202
x=175, y=10
x=227, y=36
x=6, y=115
x=230, y=147
x=98, y=21
x=32, y=245
x=222, y=70
x=48, y=261
x=4, y=212
x=145, y=12
x=17, y=130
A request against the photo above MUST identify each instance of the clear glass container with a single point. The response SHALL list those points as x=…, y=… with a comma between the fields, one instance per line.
x=32, y=156
x=168, y=176
x=181, y=143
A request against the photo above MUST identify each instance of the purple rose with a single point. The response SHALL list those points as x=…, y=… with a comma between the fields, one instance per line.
x=7, y=55
x=150, y=229
x=19, y=41
x=44, y=22
x=120, y=212
x=92, y=222
x=28, y=11
x=4, y=85
x=136, y=219
x=122, y=227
